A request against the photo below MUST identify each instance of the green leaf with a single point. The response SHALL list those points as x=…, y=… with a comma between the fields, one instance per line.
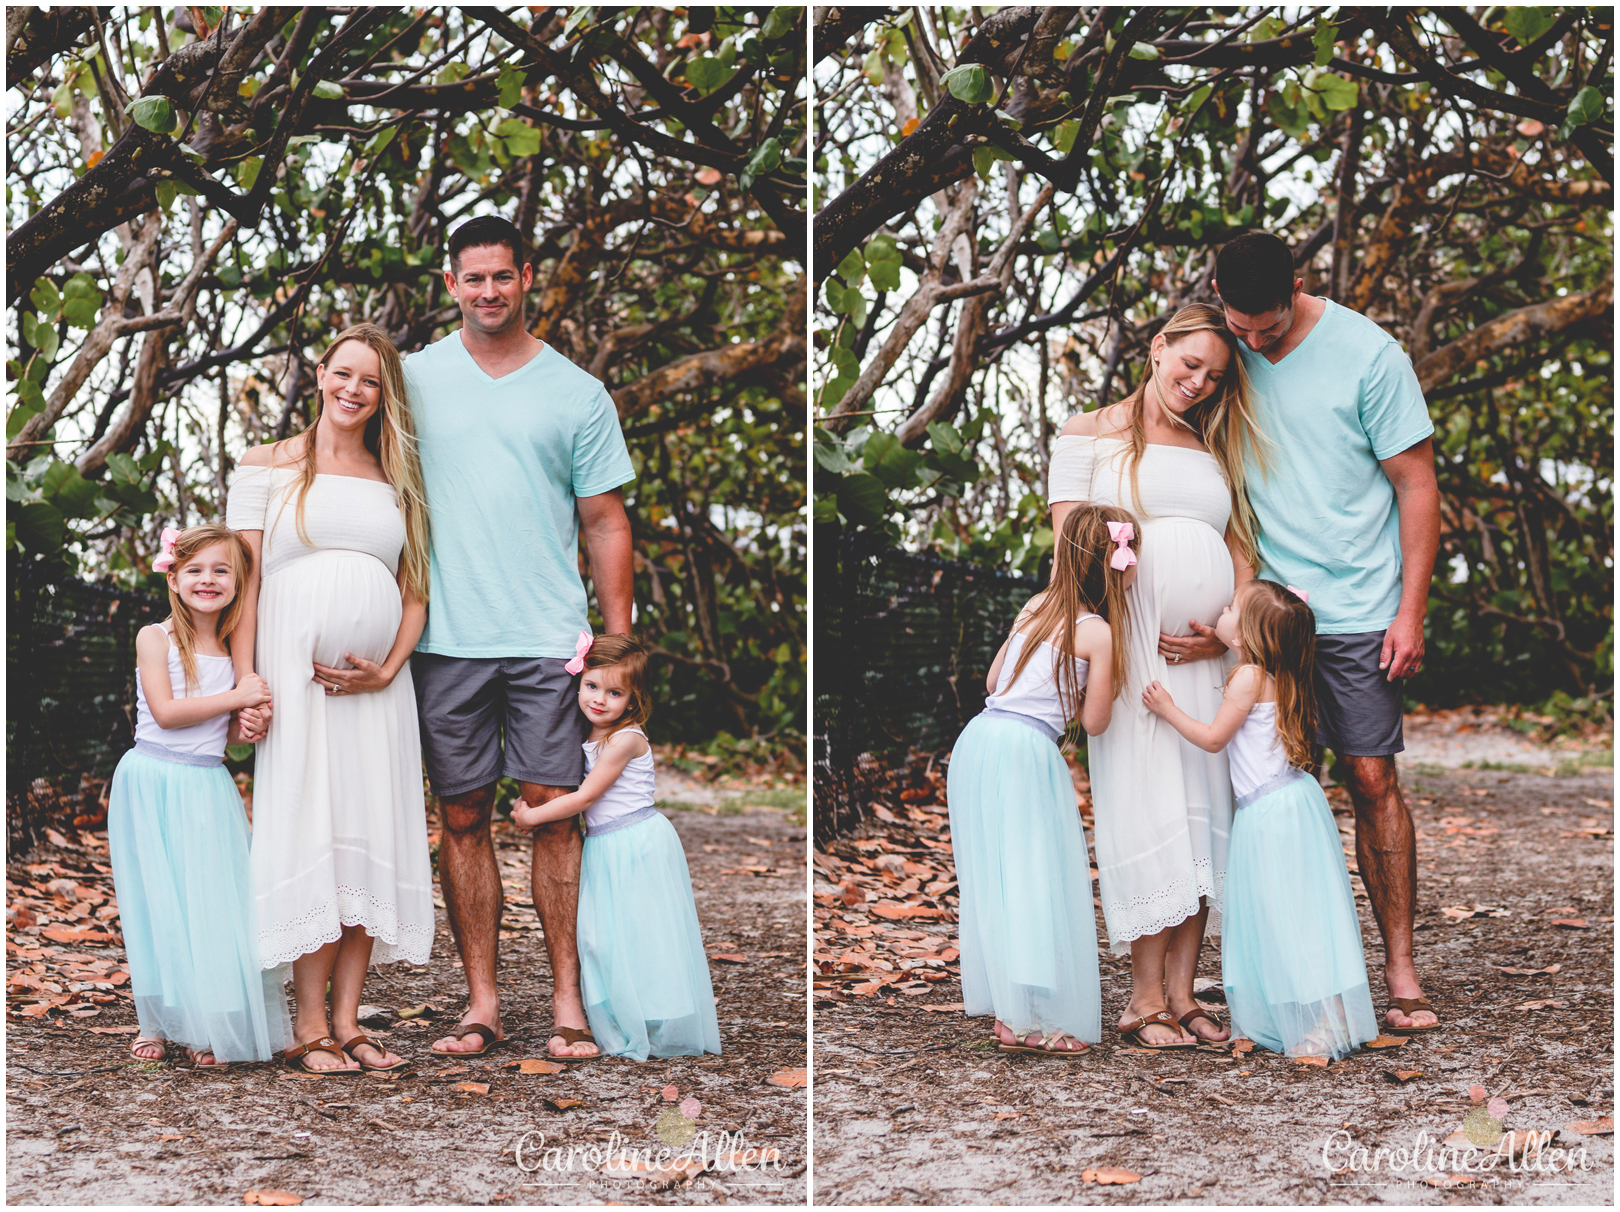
x=861, y=499
x=1323, y=39
x=1144, y=50
x=983, y=162
x=72, y=494
x=379, y=141
x=510, y=86
x=247, y=172
x=857, y=307
x=767, y=158
x=40, y=527
x=1337, y=92
x=944, y=437
x=781, y=22
x=1063, y=137
x=1586, y=106
x=872, y=66
x=448, y=74
x=154, y=114
x=521, y=139
x=581, y=14
x=885, y=275
x=971, y=83
x=832, y=291
x=707, y=73
x=124, y=469
x=82, y=301
x=852, y=269
x=239, y=753
x=45, y=341
x=45, y=297
x=829, y=452
x=843, y=357
x=1528, y=22
x=328, y=90
x=889, y=461
x=1198, y=97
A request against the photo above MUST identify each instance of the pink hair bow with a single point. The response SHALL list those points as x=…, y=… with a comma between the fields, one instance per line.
x=581, y=646
x=1121, y=533
x=1299, y=593
x=169, y=538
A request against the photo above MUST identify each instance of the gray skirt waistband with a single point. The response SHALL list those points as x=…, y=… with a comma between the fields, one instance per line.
x=621, y=822
x=1041, y=726
x=162, y=753
x=1270, y=785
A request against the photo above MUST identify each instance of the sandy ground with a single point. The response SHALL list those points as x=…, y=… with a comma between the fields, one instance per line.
x=914, y=1105
x=87, y=1125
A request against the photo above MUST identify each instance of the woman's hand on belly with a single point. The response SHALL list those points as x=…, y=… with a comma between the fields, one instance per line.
x=365, y=676
x=1202, y=645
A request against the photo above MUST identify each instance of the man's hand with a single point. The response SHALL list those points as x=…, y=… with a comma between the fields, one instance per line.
x=1200, y=646
x=1403, y=648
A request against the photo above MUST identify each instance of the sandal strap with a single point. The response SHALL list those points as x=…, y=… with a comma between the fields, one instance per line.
x=325, y=1044
x=574, y=1035
x=1186, y=1019
x=365, y=1039
x=1410, y=1005
x=466, y=1029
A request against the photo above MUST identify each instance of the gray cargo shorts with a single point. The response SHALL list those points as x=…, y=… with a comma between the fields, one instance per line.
x=1358, y=709
x=471, y=709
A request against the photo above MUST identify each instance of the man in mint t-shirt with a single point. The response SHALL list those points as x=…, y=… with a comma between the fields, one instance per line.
x=521, y=455
x=1349, y=511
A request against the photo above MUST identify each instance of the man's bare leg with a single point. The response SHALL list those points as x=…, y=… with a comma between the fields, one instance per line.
x=472, y=900
x=1386, y=853
x=554, y=879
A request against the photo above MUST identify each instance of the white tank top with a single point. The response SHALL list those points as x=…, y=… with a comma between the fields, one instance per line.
x=629, y=800
x=1255, y=755
x=1035, y=693
x=207, y=739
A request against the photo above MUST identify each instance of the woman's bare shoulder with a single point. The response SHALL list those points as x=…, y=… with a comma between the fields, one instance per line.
x=271, y=454
x=1098, y=423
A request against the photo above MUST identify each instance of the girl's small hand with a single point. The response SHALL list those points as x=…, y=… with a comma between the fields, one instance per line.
x=523, y=815
x=253, y=723
x=365, y=676
x=1157, y=699
x=253, y=691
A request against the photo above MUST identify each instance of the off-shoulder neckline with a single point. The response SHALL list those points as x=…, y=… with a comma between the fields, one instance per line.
x=1091, y=437
x=319, y=475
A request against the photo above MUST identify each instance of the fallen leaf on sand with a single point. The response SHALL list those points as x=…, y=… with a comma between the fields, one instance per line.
x=1008, y=1114
x=1543, y=1004
x=56, y=839
x=473, y=1087
x=1109, y=1174
x=272, y=1198
x=130, y=1030
x=670, y=1094
x=534, y=1065
x=1525, y=1141
x=954, y=1006
x=1386, y=1041
x=1568, y=923
x=1402, y=1075
x=1319, y=1062
x=729, y=957
x=1242, y=1047
x=852, y=894
x=1550, y=970
x=168, y=1136
x=1592, y=1127
x=425, y=1010
x=1451, y=1180
x=562, y=1104
x=895, y=911
x=1458, y=1140
x=789, y=1079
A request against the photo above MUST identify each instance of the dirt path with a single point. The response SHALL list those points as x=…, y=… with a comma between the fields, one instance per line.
x=914, y=1106
x=86, y=1125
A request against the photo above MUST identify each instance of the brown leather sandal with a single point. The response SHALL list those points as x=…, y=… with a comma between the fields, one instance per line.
x=1186, y=1022
x=1133, y=1034
x=324, y=1044
x=571, y=1036
x=487, y=1034
x=1409, y=1006
x=363, y=1039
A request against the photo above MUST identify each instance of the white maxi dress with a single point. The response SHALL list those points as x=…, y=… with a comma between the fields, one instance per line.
x=339, y=818
x=1163, y=807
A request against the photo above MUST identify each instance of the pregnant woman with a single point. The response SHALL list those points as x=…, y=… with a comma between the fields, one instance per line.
x=337, y=521
x=1172, y=452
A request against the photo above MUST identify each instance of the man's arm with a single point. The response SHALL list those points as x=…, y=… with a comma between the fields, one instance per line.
x=1417, y=500
x=607, y=545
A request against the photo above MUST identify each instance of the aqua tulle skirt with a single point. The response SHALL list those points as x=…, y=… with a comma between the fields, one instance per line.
x=1027, y=928
x=179, y=842
x=642, y=967
x=1291, y=958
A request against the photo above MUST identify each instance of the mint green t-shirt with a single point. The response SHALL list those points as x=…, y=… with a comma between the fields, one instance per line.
x=502, y=461
x=1341, y=401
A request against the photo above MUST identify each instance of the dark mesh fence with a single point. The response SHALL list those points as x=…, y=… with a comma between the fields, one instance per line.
x=903, y=642
x=70, y=691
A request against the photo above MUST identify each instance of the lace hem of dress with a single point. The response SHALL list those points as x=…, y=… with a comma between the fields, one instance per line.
x=1140, y=916
x=312, y=930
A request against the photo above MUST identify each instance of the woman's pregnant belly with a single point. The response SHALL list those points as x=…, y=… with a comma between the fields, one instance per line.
x=326, y=605
x=1184, y=572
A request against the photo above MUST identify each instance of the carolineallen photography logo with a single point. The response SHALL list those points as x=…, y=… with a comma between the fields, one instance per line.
x=1482, y=1151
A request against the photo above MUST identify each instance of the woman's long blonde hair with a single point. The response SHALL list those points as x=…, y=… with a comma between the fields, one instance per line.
x=1279, y=635
x=192, y=540
x=391, y=436
x=1082, y=583
x=1225, y=421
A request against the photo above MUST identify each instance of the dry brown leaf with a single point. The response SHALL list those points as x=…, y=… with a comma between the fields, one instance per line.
x=956, y=1007
x=789, y=1079
x=1550, y=970
x=1403, y=1075
x=56, y=839
x=562, y=1104
x=1568, y=923
x=473, y=1087
x=533, y=1065
x=1319, y=1062
x=1543, y=1004
x=1385, y=1041
x=1242, y=1047
x=911, y=125
x=1106, y=1175
x=168, y=1136
x=1592, y=1127
x=729, y=957
x=1008, y=1114
x=271, y=1198
x=130, y=1030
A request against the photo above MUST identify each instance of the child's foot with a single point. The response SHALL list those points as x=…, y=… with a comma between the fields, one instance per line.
x=148, y=1049
x=1062, y=1041
x=1154, y=1034
x=203, y=1058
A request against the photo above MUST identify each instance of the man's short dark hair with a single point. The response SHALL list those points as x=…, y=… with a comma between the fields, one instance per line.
x=484, y=232
x=1255, y=273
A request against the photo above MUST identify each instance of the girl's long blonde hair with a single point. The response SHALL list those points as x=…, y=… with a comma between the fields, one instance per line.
x=1082, y=583
x=391, y=436
x=1279, y=635
x=1225, y=421
x=192, y=540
